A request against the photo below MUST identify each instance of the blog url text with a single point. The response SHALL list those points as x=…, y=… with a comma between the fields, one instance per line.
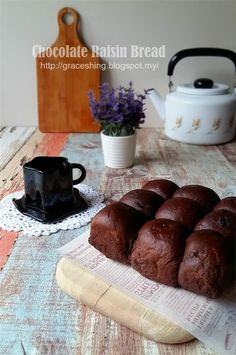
x=101, y=66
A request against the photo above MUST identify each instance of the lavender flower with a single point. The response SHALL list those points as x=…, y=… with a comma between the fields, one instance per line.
x=120, y=111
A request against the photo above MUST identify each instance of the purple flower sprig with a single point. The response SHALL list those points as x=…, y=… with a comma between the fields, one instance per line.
x=120, y=111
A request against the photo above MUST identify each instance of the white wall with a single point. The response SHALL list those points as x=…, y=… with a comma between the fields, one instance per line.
x=176, y=24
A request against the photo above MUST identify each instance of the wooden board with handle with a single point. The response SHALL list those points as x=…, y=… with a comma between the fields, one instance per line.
x=108, y=300
x=64, y=81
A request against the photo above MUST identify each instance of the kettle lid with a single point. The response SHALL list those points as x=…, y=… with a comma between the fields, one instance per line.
x=202, y=87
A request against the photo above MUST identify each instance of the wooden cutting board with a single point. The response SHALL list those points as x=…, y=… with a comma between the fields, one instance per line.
x=115, y=304
x=64, y=81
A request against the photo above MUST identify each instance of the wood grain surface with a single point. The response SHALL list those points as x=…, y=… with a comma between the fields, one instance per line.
x=34, y=312
x=64, y=81
x=12, y=139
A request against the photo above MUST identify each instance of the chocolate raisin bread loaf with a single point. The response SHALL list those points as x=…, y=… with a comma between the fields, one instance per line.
x=158, y=250
x=227, y=203
x=181, y=209
x=162, y=187
x=205, y=196
x=221, y=221
x=144, y=201
x=205, y=268
x=190, y=243
x=114, y=229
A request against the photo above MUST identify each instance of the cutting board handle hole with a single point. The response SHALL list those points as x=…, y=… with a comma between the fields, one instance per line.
x=68, y=18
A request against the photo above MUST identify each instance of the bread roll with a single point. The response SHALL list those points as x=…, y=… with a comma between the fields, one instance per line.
x=205, y=196
x=205, y=269
x=162, y=187
x=144, y=201
x=221, y=221
x=114, y=229
x=227, y=203
x=158, y=250
x=181, y=209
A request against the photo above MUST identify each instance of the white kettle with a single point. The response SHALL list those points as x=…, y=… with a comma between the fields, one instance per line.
x=200, y=113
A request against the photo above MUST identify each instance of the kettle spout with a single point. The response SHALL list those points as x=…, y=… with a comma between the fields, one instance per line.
x=158, y=102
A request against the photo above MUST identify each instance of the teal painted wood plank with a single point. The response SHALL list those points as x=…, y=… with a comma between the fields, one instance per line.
x=33, y=310
x=86, y=149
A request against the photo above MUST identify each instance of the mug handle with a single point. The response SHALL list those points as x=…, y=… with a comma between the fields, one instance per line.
x=82, y=170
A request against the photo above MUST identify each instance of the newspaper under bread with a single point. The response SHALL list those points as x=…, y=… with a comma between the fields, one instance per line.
x=212, y=321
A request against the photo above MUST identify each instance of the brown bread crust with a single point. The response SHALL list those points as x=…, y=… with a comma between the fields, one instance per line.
x=144, y=201
x=114, y=229
x=162, y=187
x=158, y=250
x=181, y=209
x=205, y=196
x=227, y=203
x=205, y=269
x=221, y=221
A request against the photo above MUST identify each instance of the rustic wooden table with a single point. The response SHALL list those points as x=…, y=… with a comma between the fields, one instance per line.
x=36, y=317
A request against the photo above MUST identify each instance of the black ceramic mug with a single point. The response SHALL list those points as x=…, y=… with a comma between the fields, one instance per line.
x=49, y=181
x=49, y=192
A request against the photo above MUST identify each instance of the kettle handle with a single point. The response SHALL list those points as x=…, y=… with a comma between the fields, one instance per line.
x=197, y=52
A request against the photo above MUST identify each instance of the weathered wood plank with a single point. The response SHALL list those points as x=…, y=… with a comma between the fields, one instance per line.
x=86, y=149
x=229, y=151
x=189, y=164
x=194, y=347
x=11, y=140
x=11, y=177
x=34, y=310
x=150, y=154
x=7, y=240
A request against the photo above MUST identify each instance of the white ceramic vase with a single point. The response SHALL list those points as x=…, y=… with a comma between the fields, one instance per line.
x=118, y=152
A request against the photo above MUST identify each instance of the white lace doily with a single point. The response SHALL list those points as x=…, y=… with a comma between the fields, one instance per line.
x=12, y=220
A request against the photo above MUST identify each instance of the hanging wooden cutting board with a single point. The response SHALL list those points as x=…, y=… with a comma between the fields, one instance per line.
x=64, y=81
